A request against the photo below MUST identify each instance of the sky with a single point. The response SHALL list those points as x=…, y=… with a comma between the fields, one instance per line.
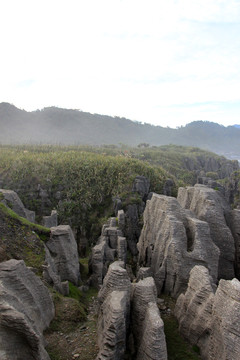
x=164, y=62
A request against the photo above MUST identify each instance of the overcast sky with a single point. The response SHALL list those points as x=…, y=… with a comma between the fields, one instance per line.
x=165, y=62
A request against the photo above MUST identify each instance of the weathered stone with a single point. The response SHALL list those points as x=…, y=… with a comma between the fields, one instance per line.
x=224, y=342
x=211, y=319
x=144, y=272
x=51, y=276
x=113, y=322
x=122, y=249
x=121, y=219
x=26, y=309
x=12, y=201
x=143, y=293
x=52, y=220
x=63, y=249
x=172, y=242
x=96, y=263
x=234, y=224
x=194, y=308
x=209, y=205
x=141, y=185
x=153, y=343
x=116, y=279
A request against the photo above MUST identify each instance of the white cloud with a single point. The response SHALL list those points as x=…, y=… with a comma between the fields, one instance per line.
x=132, y=58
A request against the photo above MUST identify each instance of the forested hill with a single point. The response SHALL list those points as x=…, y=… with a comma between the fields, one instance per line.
x=61, y=126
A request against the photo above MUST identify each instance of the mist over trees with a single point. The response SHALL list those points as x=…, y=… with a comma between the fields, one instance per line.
x=73, y=127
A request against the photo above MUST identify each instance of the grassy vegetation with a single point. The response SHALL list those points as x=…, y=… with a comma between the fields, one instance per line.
x=177, y=347
x=85, y=181
x=80, y=181
x=21, y=239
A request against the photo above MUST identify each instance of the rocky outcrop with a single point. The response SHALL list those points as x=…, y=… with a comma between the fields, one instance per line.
x=116, y=324
x=111, y=245
x=12, y=201
x=144, y=292
x=26, y=309
x=113, y=322
x=153, y=343
x=141, y=185
x=52, y=220
x=172, y=242
x=234, y=224
x=211, y=319
x=116, y=280
x=209, y=205
x=63, y=250
x=114, y=308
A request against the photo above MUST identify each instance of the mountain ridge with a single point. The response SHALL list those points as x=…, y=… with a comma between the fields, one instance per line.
x=53, y=125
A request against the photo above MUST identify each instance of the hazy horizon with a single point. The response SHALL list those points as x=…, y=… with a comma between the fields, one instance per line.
x=163, y=63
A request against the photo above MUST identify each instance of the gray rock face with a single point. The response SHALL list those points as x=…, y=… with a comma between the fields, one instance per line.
x=112, y=326
x=52, y=220
x=153, y=343
x=12, y=201
x=234, y=224
x=141, y=185
x=194, y=308
x=172, y=242
x=208, y=205
x=97, y=264
x=122, y=249
x=211, y=319
x=110, y=245
x=224, y=342
x=143, y=273
x=63, y=249
x=116, y=280
x=26, y=309
x=144, y=292
x=51, y=276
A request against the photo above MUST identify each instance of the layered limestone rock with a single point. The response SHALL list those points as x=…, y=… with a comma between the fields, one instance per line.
x=63, y=250
x=224, y=342
x=153, y=343
x=172, y=242
x=111, y=245
x=234, y=224
x=211, y=319
x=116, y=279
x=52, y=220
x=194, y=308
x=12, y=201
x=144, y=292
x=209, y=205
x=113, y=322
x=114, y=327
x=26, y=309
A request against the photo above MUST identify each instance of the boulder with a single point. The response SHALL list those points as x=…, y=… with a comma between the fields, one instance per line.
x=12, y=200
x=209, y=205
x=63, y=249
x=26, y=309
x=172, y=242
x=210, y=318
x=113, y=322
